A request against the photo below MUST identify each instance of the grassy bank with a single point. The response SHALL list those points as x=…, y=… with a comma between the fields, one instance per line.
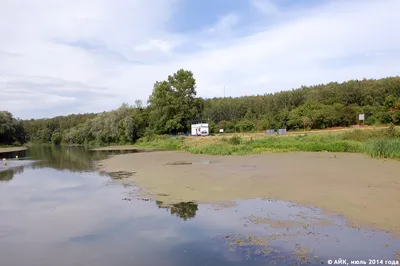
x=242, y=147
x=161, y=142
x=379, y=143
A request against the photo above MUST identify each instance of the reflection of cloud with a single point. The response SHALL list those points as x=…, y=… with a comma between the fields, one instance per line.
x=75, y=205
x=161, y=235
x=74, y=218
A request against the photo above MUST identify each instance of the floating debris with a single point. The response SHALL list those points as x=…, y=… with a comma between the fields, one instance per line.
x=121, y=174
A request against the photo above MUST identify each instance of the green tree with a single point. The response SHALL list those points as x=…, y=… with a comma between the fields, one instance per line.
x=173, y=103
x=56, y=138
x=130, y=129
x=390, y=102
x=245, y=126
x=12, y=130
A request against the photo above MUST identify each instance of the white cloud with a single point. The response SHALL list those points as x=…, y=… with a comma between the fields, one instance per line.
x=154, y=45
x=94, y=55
x=266, y=7
x=225, y=23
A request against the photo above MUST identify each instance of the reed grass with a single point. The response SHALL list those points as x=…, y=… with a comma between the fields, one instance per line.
x=383, y=148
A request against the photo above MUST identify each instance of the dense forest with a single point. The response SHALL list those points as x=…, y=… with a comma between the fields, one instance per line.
x=173, y=106
x=11, y=130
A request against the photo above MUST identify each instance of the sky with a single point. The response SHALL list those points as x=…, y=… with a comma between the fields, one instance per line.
x=61, y=57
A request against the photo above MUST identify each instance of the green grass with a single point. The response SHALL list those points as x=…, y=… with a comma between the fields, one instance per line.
x=220, y=149
x=376, y=143
x=380, y=143
x=161, y=142
x=277, y=144
x=383, y=148
x=363, y=135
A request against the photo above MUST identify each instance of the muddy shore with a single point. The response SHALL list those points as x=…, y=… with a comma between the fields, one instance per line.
x=121, y=148
x=12, y=149
x=364, y=190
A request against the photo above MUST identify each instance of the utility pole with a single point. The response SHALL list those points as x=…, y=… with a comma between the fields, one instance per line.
x=224, y=91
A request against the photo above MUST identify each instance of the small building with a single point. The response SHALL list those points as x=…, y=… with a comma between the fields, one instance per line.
x=270, y=131
x=200, y=129
x=282, y=131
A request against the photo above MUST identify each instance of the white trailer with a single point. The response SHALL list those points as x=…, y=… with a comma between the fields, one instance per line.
x=200, y=129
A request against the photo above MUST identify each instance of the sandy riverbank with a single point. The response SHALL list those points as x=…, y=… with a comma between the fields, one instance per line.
x=12, y=149
x=365, y=190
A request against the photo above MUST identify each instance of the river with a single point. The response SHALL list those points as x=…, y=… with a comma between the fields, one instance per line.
x=56, y=209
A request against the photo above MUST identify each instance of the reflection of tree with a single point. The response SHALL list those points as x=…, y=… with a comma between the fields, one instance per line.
x=75, y=159
x=183, y=210
x=13, y=154
x=9, y=174
x=64, y=157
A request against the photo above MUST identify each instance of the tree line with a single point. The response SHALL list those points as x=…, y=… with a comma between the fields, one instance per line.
x=12, y=130
x=174, y=105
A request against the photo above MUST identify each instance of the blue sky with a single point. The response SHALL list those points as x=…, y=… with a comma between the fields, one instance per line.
x=60, y=57
x=192, y=16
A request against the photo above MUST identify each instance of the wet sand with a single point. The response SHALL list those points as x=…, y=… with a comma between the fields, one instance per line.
x=12, y=149
x=364, y=190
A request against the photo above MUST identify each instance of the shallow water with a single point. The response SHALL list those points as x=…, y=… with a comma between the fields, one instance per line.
x=56, y=210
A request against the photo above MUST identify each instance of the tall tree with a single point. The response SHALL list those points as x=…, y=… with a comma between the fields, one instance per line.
x=11, y=129
x=173, y=103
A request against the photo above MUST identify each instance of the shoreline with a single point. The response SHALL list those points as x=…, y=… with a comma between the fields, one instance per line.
x=352, y=185
x=12, y=149
x=123, y=148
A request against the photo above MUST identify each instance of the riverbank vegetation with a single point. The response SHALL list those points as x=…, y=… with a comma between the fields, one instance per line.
x=378, y=143
x=12, y=130
x=174, y=105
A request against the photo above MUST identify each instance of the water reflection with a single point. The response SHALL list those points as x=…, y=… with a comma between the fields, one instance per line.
x=183, y=210
x=74, y=159
x=65, y=218
x=76, y=217
x=13, y=154
x=9, y=174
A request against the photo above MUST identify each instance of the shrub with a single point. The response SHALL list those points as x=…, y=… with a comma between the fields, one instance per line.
x=229, y=127
x=371, y=120
x=396, y=117
x=391, y=132
x=235, y=140
x=245, y=126
x=362, y=135
x=384, y=117
x=149, y=134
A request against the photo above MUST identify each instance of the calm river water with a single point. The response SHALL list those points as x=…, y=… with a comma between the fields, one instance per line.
x=55, y=209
